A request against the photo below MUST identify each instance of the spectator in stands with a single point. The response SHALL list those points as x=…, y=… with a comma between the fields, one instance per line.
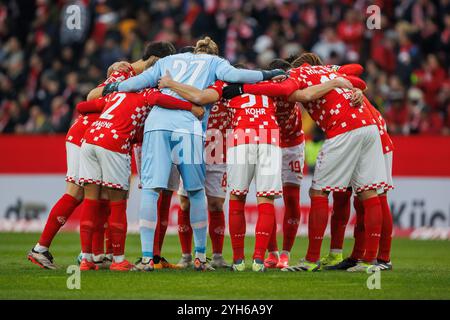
x=46, y=68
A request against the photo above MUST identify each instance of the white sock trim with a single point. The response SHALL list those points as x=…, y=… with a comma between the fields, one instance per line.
x=118, y=259
x=40, y=248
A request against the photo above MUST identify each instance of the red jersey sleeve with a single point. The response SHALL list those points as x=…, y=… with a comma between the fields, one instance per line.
x=218, y=86
x=92, y=106
x=272, y=88
x=155, y=97
x=353, y=69
x=357, y=82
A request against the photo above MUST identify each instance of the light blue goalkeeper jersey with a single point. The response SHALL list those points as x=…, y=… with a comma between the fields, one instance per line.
x=198, y=70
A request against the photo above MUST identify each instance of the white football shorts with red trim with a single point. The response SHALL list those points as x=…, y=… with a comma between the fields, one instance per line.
x=216, y=180
x=293, y=160
x=104, y=167
x=261, y=162
x=354, y=158
x=73, y=162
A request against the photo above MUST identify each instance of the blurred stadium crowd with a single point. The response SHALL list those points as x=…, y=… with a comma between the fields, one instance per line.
x=45, y=69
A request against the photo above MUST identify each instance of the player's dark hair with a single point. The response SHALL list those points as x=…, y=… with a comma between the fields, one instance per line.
x=292, y=58
x=187, y=49
x=280, y=64
x=158, y=49
x=309, y=58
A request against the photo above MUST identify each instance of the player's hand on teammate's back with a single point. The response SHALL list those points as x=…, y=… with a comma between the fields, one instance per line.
x=198, y=111
x=357, y=97
x=110, y=88
x=164, y=81
x=343, y=83
x=119, y=66
x=232, y=90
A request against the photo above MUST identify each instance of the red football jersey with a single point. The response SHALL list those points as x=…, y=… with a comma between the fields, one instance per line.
x=119, y=124
x=79, y=127
x=83, y=122
x=122, y=121
x=334, y=112
x=216, y=132
x=386, y=140
x=253, y=118
x=289, y=118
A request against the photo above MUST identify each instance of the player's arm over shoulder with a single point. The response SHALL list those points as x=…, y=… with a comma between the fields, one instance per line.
x=191, y=93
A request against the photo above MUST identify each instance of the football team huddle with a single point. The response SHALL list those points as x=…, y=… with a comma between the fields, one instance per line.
x=203, y=128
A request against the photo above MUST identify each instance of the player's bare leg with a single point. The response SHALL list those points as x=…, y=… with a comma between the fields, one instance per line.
x=216, y=230
x=60, y=213
x=237, y=228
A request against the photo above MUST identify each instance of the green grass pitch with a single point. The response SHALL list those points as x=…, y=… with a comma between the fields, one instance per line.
x=421, y=271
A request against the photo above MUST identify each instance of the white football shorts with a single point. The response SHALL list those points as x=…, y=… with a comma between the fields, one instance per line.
x=104, y=167
x=354, y=158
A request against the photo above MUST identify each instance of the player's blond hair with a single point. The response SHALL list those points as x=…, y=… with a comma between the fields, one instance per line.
x=206, y=45
x=309, y=58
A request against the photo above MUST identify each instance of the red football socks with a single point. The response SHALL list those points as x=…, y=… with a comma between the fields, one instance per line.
x=384, y=253
x=359, y=231
x=185, y=231
x=339, y=219
x=89, y=210
x=58, y=216
x=237, y=228
x=264, y=228
x=163, y=220
x=98, y=236
x=318, y=218
x=273, y=245
x=373, y=218
x=118, y=226
x=216, y=230
x=291, y=219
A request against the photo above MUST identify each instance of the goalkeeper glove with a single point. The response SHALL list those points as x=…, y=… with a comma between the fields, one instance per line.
x=269, y=74
x=232, y=90
x=110, y=88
